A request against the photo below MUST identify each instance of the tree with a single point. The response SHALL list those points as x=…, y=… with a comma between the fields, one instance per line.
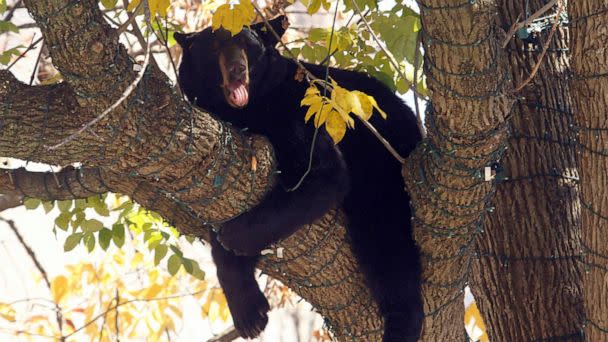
x=518, y=241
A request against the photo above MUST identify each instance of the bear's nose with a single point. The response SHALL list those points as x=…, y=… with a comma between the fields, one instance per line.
x=237, y=68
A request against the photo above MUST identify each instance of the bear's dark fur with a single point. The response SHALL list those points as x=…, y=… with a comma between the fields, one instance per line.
x=245, y=81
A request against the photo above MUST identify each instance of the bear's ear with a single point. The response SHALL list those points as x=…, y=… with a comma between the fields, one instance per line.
x=184, y=39
x=278, y=24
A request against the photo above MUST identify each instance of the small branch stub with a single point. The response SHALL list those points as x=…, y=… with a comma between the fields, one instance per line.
x=97, y=47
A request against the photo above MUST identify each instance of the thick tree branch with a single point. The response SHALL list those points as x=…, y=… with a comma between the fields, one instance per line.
x=33, y=116
x=10, y=201
x=466, y=134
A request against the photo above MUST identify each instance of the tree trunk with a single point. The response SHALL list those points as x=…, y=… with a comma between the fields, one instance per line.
x=527, y=278
x=589, y=83
x=466, y=133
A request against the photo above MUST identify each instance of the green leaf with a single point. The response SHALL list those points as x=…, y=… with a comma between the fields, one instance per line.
x=48, y=206
x=105, y=236
x=78, y=219
x=384, y=78
x=89, y=241
x=63, y=221
x=2, y=6
x=92, y=225
x=31, y=203
x=190, y=238
x=126, y=206
x=403, y=86
x=399, y=34
x=80, y=203
x=118, y=234
x=197, y=272
x=173, y=264
x=159, y=253
x=317, y=34
x=7, y=26
x=102, y=211
x=6, y=56
x=188, y=265
x=72, y=241
x=177, y=251
x=64, y=206
x=308, y=53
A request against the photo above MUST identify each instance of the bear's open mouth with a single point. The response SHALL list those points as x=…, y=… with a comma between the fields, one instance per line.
x=237, y=94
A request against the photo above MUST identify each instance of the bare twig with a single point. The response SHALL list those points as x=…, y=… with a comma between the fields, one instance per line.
x=165, y=42
x=12, y=10
x=125, y=94
x=32, y=46
x=130, y=19
x=545, y=47
x=45, y=276
x=383, y=141
x=524, y=23
x=35, y=71
x=117, y=298
x=227, y=335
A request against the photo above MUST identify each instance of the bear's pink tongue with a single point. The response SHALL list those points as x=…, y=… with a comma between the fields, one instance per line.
x=239, y=95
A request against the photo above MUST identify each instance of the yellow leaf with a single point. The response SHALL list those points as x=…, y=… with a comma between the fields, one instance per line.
x=214, y=311
x=133, y=5
x=474, y=324
x=340, y=97
x=159, y=6
x=314, y=108
x=365, y=109
x=177, y=311
x=156, y=6
x=119, y=258
x=335, y=126
x=36, y=318
x=321, y=116
x=311, y=96
x=59, y=287
x=152, y=291
x=7, y=312
x=373, y=101
x=312, y=90
x=233, y=17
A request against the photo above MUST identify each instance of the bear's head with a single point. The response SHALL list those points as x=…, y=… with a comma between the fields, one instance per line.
x=218, y=68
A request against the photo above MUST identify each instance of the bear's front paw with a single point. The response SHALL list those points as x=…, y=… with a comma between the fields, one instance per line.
x=249, y=312
x=242, y=238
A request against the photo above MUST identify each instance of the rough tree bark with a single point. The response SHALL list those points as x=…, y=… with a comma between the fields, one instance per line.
x=589, y=83
x=166, y=155
x=529, y=253
x=466, y=134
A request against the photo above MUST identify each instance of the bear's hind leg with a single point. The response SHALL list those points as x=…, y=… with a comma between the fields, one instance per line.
x=398, y=296
x=390, y=261
x=248, y=305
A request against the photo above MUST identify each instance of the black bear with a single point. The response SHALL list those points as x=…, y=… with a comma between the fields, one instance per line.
x=244, y=80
